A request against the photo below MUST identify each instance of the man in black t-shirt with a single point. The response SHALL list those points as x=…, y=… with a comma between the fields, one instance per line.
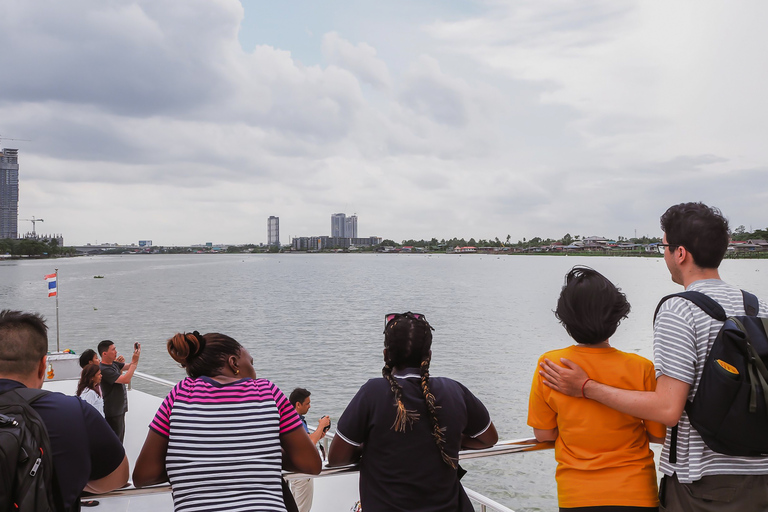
x=86, y=453
x=113, y=382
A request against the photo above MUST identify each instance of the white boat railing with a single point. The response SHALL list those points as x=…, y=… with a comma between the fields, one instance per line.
x=486, y=504
x=152, y=378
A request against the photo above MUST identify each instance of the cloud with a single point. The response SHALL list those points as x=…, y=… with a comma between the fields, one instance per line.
x=360, y=60
x=530, y=119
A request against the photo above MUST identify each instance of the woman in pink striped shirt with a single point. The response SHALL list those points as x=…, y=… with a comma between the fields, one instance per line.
x=218, y=435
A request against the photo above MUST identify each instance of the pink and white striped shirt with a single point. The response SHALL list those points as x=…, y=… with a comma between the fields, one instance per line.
x=224, y=443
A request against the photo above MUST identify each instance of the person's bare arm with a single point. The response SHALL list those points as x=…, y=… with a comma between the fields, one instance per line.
x=150, y=465
x=319, y=432
x=299, y=452
x=484, y=440
x=114, y=480
x=542, y=434
x=654, y=439
x=127, y=375
x=341, y=452
x=664, y=405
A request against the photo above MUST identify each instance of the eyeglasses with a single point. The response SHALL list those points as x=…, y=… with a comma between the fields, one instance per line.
x=416, y=316
x=662, y=246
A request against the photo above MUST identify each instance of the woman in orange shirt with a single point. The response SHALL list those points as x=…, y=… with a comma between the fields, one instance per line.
x=604, y=461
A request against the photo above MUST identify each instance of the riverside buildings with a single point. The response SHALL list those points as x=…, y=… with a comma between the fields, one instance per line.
x=319, y=243
x=273, y=231
x=9, y=193
x=343, y=236
x=343, y=226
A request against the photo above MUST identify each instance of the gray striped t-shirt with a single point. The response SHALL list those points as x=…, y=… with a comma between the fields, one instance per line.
x=682, y=337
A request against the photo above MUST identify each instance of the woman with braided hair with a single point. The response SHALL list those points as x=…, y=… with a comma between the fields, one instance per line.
x=219, y=435
x=407, y=428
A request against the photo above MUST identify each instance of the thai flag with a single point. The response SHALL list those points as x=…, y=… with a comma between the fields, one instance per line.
x=51, y=278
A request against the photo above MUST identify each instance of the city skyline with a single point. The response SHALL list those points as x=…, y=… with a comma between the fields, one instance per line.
x=140, y=120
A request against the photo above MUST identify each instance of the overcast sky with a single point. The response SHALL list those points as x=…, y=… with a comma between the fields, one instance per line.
x=192, y=121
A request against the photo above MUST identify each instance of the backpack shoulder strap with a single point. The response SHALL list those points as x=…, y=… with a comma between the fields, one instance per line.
x=751, y=304
x=31, y=395
x=705, y=302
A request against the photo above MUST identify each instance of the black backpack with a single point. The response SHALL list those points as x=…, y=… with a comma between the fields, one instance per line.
x=730, y=407
x=26, y=461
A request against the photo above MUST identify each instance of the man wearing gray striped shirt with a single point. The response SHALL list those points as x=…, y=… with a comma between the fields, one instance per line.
x=695, y=241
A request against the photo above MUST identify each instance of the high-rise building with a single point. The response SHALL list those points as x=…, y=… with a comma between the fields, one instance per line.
x=9, y=193
x=350, y=227
x=338, y=225
x=273, y=230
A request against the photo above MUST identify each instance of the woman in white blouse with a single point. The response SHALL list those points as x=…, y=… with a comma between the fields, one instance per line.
x=89, y=389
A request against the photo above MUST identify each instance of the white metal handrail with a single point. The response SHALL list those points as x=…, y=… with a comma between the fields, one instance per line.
x=486, y=504
x=156, y=380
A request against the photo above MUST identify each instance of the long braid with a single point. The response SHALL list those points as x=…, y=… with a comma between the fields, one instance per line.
x=438, y=433
x=404, y=417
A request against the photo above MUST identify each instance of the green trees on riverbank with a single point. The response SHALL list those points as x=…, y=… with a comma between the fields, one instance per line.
x=567, y=239
x=34, y=248
x=739, y=234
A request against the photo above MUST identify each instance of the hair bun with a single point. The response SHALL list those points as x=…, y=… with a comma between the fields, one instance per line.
x=196, y=344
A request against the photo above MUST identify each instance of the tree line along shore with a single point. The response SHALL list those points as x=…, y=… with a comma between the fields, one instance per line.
x=744, y=244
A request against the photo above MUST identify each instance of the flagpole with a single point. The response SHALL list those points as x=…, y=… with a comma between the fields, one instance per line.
x=58, y=349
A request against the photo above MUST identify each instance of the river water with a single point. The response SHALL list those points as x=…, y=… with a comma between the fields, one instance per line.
x=316, y=321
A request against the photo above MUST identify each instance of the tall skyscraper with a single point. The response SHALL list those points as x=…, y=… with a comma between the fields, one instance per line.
x=338, y=225
x=9, y=193
x=350, y=227
x=273, y=230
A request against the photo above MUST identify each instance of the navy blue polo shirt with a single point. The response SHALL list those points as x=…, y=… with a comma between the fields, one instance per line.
x=404, y=471
x=84, y=446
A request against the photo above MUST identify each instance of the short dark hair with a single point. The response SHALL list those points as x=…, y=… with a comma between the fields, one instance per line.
x=23, y=342
x=104, y=346
x=298, y=395
x=203, y=354
x=590, y=307
x=701, y=229
x=86, y=357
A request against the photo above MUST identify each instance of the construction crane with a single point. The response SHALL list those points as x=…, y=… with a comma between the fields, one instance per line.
x=33, y=220
x=6, y=138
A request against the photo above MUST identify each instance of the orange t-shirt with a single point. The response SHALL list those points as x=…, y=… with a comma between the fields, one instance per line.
x=603, y=456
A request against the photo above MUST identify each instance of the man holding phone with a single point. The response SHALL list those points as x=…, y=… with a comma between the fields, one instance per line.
x=303, y=489
x=113, y=382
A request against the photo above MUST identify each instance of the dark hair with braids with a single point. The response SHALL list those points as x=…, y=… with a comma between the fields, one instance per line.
x=408, y=340
x=202, y=354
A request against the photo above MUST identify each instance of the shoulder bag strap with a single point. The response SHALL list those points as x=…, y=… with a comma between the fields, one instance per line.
x=673, y=446
x=751, y=304
x=757, y=372
x=705, y=302
x=31, y=395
